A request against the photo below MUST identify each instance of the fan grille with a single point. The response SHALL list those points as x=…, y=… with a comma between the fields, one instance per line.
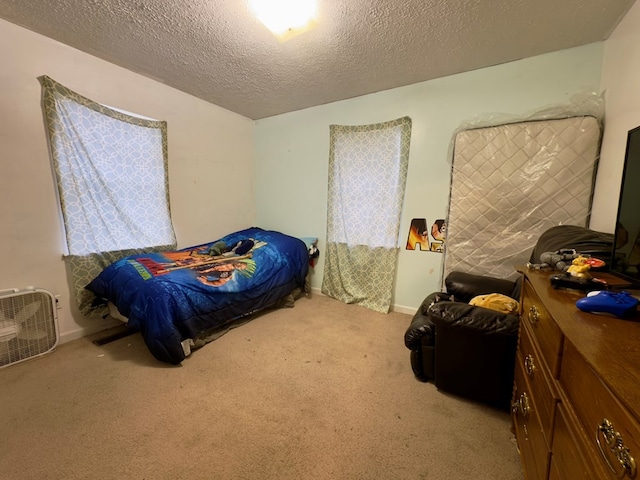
x=28, y=325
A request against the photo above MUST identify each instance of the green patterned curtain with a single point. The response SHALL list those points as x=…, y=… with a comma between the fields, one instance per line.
x=113, y=186
x=367, y=175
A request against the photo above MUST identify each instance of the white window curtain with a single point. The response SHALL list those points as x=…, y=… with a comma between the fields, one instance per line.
x=111, y=173
x=367, y=176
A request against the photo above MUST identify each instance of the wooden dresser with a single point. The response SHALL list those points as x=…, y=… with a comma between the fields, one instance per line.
x=576, y=402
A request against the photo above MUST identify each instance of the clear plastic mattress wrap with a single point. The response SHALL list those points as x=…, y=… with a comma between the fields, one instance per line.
x=512, y=178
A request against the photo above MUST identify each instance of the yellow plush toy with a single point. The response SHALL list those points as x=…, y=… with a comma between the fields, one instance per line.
x=496, y=301
x=580, y=268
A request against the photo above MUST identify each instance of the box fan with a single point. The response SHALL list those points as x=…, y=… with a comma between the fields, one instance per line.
x=28, y=324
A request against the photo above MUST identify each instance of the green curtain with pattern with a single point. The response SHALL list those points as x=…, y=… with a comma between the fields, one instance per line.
x=367, y=175
x=113, y=186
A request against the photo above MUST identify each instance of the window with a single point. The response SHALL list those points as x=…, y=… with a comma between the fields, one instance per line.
x=111, y=173
x=367, y=175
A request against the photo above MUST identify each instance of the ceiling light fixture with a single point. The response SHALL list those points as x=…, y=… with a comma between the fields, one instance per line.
x=286, y=18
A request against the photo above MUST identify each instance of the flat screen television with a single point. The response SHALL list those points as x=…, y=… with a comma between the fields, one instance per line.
x=626, y=246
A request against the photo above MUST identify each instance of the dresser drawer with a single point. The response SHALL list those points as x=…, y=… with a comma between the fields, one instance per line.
x=539, y=380
x=547, y=334
x=611, y=431
x=534, y=449
x=571, y=457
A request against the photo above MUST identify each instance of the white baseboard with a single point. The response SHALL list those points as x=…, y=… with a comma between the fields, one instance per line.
x=394, y=308
x=85, y=332
x=403, y=309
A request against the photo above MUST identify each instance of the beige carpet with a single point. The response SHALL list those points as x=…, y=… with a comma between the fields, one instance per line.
x=319, y=391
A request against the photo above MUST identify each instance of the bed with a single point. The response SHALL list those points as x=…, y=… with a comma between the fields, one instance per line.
x=188, y=297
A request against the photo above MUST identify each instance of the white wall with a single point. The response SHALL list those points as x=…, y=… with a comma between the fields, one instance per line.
x=621, y=84
x=210, y=161
x=292, y=150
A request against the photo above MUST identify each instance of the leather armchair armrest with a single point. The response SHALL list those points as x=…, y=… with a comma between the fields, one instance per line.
x=480, y=320
x=421, y=327
x=465, y=286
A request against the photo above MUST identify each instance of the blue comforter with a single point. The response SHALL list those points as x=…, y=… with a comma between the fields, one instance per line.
x=173, y=296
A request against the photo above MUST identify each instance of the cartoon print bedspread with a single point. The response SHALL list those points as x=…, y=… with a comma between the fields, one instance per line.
x=172, y=296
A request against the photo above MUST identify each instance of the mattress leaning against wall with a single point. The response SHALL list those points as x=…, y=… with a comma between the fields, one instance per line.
x=512, y=182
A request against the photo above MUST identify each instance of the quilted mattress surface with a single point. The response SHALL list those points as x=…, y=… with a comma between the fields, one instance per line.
x=512, y=182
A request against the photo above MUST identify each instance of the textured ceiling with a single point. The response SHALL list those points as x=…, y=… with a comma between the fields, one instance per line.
x=217, y=51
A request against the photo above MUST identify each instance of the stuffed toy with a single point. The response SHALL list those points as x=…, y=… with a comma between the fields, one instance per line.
x=580, y=268
x=496, y=301
x=243, y=246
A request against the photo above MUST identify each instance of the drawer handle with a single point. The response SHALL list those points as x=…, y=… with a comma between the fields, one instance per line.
x=529, y=366
x=521, y=405
x=615, y=443
x=534, y=315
